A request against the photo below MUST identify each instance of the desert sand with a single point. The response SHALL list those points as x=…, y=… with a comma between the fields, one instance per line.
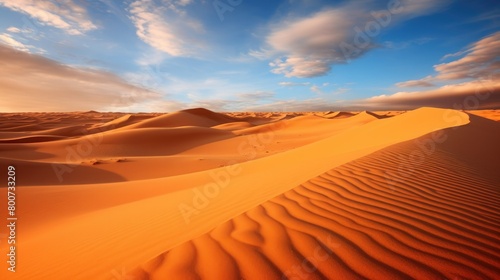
x=197, y=194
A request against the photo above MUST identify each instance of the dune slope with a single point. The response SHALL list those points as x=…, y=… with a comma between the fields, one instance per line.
x=415, y=210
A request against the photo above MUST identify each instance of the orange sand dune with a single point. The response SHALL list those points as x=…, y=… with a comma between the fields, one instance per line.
x=339, y=115
x=376, y=218
x=202, y=148
x=119, y=122
x=191, y=117
x=202, y=195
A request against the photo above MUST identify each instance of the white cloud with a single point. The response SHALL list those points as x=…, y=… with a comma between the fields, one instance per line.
x=292, y=105
x=13, y=29
x=478, y=94
x=262, y=54
x=425, y=82
x=63, y=14
x=479, y=66
x=316, y=89
x=255, y=96
x=239, y=102
x=341, y=90
x=153, y=57
x=320, y=90
x=406, y=44
x=309, y=46
x=292, y=84
x=184, y=2
x=416, y=8
x=167, y=28
x=8, y=40
x=453, y=55
x=479, y=61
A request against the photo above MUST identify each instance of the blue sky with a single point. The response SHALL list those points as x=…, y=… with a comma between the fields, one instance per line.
x=235, y=55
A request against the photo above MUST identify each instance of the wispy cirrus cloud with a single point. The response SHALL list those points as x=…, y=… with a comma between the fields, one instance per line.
x=167, y=27
x=239, y=102
x=295, y=105
x=13, y=29
x=406, y=44
x=293, y=84
x=316, y=89
x=484, y=94
x=453, y=55
x=481, y=94
x=67, y=15
x=322, y=90
x=425, y=82
x=479, y=61
x=255, y=96
x=479, y=66
x=7, y=39
x=309, y=46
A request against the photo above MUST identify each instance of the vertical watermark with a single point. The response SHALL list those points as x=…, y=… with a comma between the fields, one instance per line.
x=11, y=218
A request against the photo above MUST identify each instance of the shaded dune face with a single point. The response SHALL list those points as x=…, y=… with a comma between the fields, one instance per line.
x=316, y=195
x=378, y=217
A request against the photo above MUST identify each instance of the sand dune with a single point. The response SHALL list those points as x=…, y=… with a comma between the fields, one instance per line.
x=202, y=147
x=233, y=125
x=339, y=115
x=191, y=117
x=117, y=123
x=366, y=219
x=196, y=194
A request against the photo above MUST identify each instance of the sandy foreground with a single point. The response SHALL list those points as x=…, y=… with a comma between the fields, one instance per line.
x=202, y=195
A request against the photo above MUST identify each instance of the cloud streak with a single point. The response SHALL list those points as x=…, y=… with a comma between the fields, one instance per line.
x=481, y=94
x=479, y=66
x=66, y=15
x=425, y=82
x=309, y=46
x=293, y=84
x=481, y=60
x=34, y=83
x=167, y=27
x=10, y=41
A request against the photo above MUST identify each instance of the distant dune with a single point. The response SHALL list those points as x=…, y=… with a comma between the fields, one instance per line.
x=197, y=194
